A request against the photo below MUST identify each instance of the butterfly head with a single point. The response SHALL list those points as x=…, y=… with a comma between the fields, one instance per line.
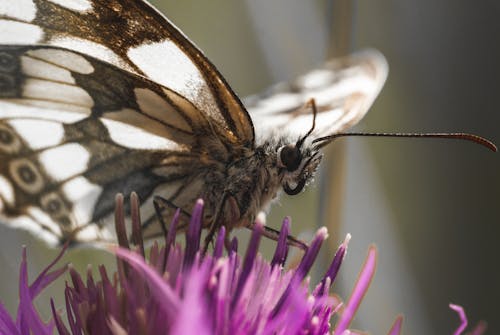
x=299, y=163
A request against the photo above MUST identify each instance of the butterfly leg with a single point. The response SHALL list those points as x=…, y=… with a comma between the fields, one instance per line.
x=164, y=209
x=220, y=218
x=161, y=204
x=274, y=234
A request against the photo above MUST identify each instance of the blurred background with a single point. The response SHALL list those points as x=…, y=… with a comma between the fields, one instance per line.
x=432, y=207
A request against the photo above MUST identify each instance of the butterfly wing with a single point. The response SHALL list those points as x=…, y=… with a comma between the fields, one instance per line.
x=343, y=90
x=132, y=35
x=74, y=131
x=114, y=99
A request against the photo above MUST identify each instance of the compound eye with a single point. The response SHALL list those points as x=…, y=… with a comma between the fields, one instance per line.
x=289, y=157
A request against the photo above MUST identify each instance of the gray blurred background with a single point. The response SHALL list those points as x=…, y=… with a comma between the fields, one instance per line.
x=432, y=207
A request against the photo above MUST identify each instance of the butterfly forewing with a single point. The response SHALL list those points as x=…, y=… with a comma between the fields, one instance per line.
x=132, y=35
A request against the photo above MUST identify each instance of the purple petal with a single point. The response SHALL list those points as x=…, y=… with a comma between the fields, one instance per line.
x=219, y=243
x=7, y=325
x=78, y=283
x=336, y=263
x=73, y=316
x=193, y=234
x=109, y=294
x=233, y=248
x=302, y=270
x=293, y=316
x=164, y=295
x=135, y=217
x=28, y=320
x=191, y=318
x=463, y=318
x=282, y=246
x=311, y=254
x=222, y=292
x=121, y=231
x=172, y=233
x=396, y=326
x=44, y=279
x=359, y=291
x=61, y=328
x=157, y=257
x=248, y=263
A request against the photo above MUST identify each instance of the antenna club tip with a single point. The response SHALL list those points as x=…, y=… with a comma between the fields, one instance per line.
x=483, y=141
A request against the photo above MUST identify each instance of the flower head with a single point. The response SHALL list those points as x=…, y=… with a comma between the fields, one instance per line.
x=181, y=290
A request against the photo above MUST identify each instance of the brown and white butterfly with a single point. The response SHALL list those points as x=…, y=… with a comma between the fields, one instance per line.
x=105, y=96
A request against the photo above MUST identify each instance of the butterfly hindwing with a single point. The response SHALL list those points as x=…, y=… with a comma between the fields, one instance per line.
x=62, y=162
x=343, y=90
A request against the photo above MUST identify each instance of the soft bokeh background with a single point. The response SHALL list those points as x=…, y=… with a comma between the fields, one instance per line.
x=432, y=207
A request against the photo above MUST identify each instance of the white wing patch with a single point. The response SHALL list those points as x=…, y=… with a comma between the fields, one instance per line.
x=65, y=161
x=20, y=9
x=66, y=60
x=76, y=5
x=26, y=223
x=38, y=134
x=137, y=138
x=84, y=196
x=13, y=32
x=93, y=234
x=41, y=110
x=92, y=48
x=43, y=70
x=131, y=117
x=6, y=191
x=168, y=65
x=41, y=217
x=154, y=105
x=165, y=63
x=58, y=92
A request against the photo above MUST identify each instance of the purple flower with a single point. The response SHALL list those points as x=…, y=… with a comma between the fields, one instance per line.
x=180, y=290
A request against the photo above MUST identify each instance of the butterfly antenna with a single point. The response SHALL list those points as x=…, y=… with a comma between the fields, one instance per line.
x=312, y=104
x=322, y=141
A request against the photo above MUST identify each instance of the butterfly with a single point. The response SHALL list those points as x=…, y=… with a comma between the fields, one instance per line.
x=99, y=97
